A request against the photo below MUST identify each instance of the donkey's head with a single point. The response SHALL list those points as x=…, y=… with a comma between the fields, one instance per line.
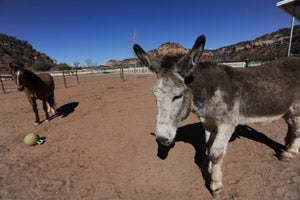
x=17, y=70
x=173, y=97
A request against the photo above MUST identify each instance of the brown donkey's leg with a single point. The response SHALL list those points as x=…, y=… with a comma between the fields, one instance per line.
x=51, y=103
x=35, y=110
x=45, y=109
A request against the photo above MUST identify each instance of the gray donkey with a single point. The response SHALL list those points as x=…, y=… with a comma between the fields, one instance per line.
x=223, y=97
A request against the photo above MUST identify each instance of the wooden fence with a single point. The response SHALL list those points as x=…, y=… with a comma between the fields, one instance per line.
x=7, y=83
x=65, y=77
x=69, y=78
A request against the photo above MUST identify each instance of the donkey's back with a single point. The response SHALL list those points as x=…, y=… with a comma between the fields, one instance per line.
x=47, y=80
x=269, y=90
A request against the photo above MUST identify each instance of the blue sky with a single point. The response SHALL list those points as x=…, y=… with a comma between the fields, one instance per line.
x=73, y=30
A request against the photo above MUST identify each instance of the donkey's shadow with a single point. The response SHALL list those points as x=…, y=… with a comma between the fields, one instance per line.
x=65, y=110
x=194, y=134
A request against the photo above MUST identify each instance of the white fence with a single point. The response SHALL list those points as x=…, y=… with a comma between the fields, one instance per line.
x=243, y=64
x=106, y=70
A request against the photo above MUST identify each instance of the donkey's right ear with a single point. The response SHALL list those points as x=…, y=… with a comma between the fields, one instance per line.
x=144, y=58
x=197, y=50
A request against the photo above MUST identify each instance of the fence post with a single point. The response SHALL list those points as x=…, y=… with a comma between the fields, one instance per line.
x=76, y=73
x=65, y=82
x=122, y=73
x=246, y=63
x=2, y=85
x=135, y=73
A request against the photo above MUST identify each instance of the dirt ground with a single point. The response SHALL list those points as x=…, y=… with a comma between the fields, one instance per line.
x=101, y=148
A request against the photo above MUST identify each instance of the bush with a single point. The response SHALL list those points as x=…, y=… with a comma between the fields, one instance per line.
x=63, y=66
x=42, y=66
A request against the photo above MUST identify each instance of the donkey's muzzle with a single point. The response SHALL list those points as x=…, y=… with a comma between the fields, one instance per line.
x=164, y=141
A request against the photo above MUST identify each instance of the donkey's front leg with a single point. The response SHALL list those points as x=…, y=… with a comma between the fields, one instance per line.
x=35, y=110
x=216, y=155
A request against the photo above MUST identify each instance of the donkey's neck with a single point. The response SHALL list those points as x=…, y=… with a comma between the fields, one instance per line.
x=31, y=79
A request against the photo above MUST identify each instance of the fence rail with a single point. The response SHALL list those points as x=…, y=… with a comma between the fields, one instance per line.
x=243, y=63
x=69, y=78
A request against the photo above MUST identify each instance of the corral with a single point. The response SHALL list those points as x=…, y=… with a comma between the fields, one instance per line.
x=101, y=147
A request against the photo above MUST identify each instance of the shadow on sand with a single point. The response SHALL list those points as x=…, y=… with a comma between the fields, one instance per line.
x=65, y=110
x=194, y=134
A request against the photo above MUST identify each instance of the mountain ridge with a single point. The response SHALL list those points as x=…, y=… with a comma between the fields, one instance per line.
x=267, y=47
x=263, y=48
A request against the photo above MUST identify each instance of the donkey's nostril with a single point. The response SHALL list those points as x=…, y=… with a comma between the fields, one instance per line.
x=163, y=140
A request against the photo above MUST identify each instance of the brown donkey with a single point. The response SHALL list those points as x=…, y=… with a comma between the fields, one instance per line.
x=223, y=97
x=39, y=86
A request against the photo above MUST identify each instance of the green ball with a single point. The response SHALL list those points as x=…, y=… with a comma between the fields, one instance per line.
x=31, y=139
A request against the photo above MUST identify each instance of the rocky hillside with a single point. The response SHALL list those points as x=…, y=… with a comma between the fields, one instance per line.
x=123, y=63
x=264, y=48
x=171, y=49
x=14, y=49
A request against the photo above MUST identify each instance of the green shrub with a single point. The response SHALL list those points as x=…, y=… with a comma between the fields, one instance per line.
x=63, y=66
x=42, y=66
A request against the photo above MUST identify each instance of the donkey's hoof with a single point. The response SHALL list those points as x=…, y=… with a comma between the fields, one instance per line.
x=218, y=191
x=36, y=123
x=284, y=158
x=47, y=120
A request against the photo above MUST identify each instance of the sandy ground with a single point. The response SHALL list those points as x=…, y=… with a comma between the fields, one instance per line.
x=101, y=148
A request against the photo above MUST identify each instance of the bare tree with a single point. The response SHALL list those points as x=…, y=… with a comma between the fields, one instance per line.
x=88, y=62
x=133, y=41
x=76, y=64
x=94, y=64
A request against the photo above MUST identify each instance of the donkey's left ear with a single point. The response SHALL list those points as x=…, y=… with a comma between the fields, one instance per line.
x=144, y=58
x=192, y=59
x=197, y=50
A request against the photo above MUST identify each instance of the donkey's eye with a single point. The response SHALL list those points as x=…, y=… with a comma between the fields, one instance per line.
x=177, y=97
